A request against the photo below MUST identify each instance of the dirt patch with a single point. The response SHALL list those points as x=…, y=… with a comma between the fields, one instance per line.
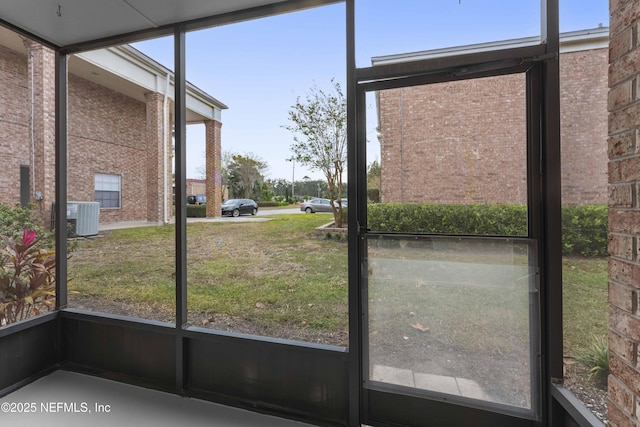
x=227, y=323
x=592, y=394
x=220, y=322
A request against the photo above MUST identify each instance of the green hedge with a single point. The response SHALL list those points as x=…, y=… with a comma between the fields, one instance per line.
x=196, y=211
x=585, y=230
x=502, y=220
x=584, y=227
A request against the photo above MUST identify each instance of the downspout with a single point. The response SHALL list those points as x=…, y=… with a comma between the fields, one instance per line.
x=165, y=122
x=32, y=125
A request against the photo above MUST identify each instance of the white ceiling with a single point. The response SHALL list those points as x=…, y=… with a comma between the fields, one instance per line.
x=67, y=22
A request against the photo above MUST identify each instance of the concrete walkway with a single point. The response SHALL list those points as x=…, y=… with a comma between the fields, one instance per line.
x=439, y=383
x=263, y=215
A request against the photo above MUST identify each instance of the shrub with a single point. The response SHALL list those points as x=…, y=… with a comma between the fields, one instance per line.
x=345, y=216
x=501, y=220
x=584, y=227
x=596, y=359
x=373, y=194
x=27, y=278
x=196, y=211
x=338, y=237
x=585, y=230
x=268, y=204
x=282, y=201
x=14, y=219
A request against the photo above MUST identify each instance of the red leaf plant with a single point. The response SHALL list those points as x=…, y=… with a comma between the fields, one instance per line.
x=27, y=278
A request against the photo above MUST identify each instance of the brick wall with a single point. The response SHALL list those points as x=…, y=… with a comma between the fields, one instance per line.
x=583, y=126
x=158, y=133
x=464, y=142
x=624, y=214
x=454, y=142
x=107, y=134
x=196, y=186
x=42, y=62
x=15, y=111
x=27, y=126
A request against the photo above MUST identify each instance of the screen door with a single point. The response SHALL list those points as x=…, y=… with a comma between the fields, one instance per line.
x=449, y=253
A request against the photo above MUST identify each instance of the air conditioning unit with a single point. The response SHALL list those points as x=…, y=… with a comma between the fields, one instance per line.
x=84, y=217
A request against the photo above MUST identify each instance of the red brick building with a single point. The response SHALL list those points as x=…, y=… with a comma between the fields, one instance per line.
x=465, y=141
x=624, y=214
x=119, y=131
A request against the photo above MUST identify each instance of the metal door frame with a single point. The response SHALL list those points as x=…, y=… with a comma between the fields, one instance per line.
x=382, y=408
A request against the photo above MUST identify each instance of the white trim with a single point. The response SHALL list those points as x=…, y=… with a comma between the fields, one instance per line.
x=130, y=65
x=575, y=41
x=596, y=38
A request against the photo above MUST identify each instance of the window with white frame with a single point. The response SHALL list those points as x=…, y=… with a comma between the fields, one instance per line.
x=107, y=190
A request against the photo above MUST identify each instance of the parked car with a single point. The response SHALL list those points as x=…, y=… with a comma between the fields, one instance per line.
x=344, y=202
x=196, y=199
x=237, y=207
x=316, y=205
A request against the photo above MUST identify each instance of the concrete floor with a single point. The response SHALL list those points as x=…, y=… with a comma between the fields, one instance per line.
x=70, y=399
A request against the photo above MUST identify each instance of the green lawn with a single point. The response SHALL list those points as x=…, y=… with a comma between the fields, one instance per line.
x=584, y=300
x=268, y=272
x=276, y=272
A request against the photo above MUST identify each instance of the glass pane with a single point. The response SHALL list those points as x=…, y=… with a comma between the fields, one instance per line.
x=120, y=158
x=27, y=177
x=257, y=263
x=388, y=27
x=453, y=316
x=451, y=157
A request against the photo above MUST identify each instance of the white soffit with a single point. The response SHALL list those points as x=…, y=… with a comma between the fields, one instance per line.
x=123, y=69
x=67, y=22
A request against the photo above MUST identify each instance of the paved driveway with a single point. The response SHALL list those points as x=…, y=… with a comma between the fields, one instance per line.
x=263, y=215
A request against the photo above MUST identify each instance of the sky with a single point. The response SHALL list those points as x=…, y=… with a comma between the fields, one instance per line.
x=259, y=68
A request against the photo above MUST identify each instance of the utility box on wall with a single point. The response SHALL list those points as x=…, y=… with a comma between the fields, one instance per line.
x=84, y=217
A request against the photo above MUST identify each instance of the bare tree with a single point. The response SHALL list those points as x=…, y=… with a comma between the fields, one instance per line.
x=319, y=125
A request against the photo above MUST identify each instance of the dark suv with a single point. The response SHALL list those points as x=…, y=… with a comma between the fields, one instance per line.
x=196, y=199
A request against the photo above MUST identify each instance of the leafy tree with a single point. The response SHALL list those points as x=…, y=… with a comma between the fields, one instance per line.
x=319, y=125
x=225, y=161
x=266, y=194
x=373, y=174
x=281, y=187
x=373, y=181
x=312, y=188
x=244, y=175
